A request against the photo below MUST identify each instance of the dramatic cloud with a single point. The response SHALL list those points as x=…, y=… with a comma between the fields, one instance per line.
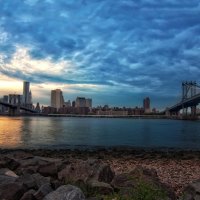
x=117, y=52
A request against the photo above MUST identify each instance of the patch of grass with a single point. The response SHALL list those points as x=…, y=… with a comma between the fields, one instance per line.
x=143, y=191
x=148, y=191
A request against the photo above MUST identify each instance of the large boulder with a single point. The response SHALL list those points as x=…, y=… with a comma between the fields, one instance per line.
x=40, y=180
x=192, y=191
x=86, y=170
x=8, y=172
x=49, y=169
x=11, y=163
x=28, y=181
x=101, y=188
x=66, y=192
x=43, y=191
x=12, y=191
x=32, y=161
x=7, y=176
x=43, y=165
x=29, y=195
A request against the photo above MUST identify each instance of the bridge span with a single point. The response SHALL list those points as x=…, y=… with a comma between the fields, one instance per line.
x=14, y=109
x=190, y=99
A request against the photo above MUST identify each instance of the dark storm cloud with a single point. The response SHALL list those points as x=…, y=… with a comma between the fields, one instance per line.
x=147, y=44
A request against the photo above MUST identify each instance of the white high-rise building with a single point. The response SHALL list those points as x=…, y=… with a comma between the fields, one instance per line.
x=57, y=100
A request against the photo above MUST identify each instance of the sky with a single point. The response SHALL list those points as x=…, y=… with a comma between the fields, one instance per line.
x=114, y=51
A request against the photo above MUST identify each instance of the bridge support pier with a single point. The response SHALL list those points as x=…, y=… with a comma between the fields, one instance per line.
x=14, y=111
x=193, y=110
x=185, y=111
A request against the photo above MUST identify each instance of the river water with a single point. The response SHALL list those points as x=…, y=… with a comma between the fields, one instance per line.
x=69, y=132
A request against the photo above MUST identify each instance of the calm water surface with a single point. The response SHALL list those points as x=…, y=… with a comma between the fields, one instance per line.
x=44, y=132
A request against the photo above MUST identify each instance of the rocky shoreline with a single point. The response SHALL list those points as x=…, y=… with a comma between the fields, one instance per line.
x=110, y=174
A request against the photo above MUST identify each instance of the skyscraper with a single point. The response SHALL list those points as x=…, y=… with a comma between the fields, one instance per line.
x=27, y=95
x=57, y=100
x=26, y=91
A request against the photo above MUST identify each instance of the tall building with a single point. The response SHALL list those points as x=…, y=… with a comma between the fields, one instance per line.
x=146, y=105
x=57, y=100
x=27, y=95
x=26, y=90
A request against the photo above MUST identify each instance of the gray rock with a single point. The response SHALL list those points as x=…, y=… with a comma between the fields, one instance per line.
x=34, y=161
x=11, y=163
x=192, y=191
x=6, y=179
x=7, y=176
x=28, y=181
x=7, y=172
x=49, y=169
x=43, y=191
x=3, y=164
x=66, y=192
x=86, y=170
x=100, y=187
x=28, y=195
x=11, y=191
x=40, y=180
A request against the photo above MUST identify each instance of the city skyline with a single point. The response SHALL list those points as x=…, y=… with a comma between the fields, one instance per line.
x=117, y=53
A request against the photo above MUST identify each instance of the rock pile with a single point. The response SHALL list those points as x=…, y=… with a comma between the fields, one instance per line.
x=40, y=178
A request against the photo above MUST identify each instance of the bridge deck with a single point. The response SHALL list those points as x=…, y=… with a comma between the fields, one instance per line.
x=193, y=101
x=13, y=106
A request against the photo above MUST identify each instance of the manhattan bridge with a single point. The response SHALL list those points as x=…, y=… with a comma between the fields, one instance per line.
x=189, y=100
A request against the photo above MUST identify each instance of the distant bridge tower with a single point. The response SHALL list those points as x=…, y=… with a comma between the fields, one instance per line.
x=189, y=89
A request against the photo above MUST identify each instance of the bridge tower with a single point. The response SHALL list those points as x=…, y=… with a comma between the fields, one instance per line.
x=15, y=111
x=189, y=89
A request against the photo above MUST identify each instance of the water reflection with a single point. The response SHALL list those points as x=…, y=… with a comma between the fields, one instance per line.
x=10, y=132
x=26, y=130
x=40, y=132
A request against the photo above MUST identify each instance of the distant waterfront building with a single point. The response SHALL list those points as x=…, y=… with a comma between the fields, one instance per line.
x=73, y=104
x=67, y=104
x=57, y=100
x=88, y=103
x=146, y=105
x=82, y=102
x=27, y=95
x=112, y=112
x=49, y=110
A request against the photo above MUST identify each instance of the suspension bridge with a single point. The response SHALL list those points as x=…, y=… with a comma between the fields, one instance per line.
x=190, y=99
x=14, y=109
